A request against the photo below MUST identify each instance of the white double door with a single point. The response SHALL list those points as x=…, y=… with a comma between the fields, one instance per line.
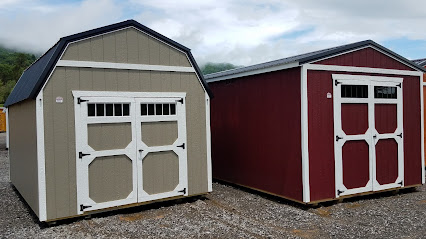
x=368, y=125
x=130, y=148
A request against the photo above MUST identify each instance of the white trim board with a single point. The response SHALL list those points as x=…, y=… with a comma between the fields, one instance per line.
x=208, y=141
x=254, y=72
x=362, y=70
x=41, y=159
x=125, y=66
x=304, y=134
x=422, y=127
x=80, y=93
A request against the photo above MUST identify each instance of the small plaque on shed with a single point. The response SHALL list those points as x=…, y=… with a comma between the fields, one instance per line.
x=329, y=95
x=59, y=100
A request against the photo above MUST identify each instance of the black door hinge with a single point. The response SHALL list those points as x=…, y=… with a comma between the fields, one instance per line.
x=182, y=191
x=81, y=155
x=399, y=85
x=79, y=100
x=339, y=192
x=182, y=146
x=337, y=138
x=400, y=135
x=336, y=82
x=82, y=207
x=180, y=101
x=400, y=183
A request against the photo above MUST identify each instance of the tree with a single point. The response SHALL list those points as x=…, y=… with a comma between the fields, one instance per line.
x=210, y=67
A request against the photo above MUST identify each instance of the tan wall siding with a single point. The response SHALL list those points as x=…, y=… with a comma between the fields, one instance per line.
x=60, y=132
x=23, y=151
x=126, y=46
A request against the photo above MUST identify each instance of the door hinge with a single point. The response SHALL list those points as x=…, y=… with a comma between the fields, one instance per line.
x=400, y=135
x=82, y=207
x=79, y=100
x=81, y=155
x=336, y=82
x=182, y=191
x=400, y=183
x=339, y=192
x=182, y=146
x=399, y=85
x=337, y=138
x=180, y=101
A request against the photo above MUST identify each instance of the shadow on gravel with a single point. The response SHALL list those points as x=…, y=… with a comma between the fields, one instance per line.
x=267, y=195
x=122, y=211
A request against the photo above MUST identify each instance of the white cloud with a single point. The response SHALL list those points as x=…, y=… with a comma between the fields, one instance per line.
x=242, y=32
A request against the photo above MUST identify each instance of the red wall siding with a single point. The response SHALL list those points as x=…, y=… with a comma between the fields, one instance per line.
x=256, y=139
x=367, y=57
x=321, y=132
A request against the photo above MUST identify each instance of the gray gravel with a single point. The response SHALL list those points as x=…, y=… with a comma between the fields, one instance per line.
x=227, y=212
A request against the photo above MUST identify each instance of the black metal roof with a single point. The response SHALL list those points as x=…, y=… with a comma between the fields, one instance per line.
x=34, y=77
x=420, y=62
x=313, y=56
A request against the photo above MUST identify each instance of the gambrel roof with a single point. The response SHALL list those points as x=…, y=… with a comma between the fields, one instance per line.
x=32, y=80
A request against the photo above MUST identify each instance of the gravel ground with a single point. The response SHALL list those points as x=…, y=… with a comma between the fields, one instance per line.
x=228, y=212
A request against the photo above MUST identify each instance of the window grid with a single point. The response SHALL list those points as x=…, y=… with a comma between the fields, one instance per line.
x=108, y=109
x=385, y=92
x=158, y=109
x=354, y=91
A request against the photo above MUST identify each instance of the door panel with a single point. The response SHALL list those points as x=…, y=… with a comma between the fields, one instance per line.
x=160, y=172
x=386, y=161
x=385, y=117
x=356, y=164
x=354, y=118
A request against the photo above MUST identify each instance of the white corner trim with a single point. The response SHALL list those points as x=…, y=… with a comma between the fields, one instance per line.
x=422, y=133
x=125, y=66
x=7, y=128
x=304, y=134
x=80, y=93
x=254, y=72
x=41, y=159
x=208, y=141
x=361, y=69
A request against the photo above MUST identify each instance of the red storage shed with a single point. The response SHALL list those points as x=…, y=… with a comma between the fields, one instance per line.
x=315, y=127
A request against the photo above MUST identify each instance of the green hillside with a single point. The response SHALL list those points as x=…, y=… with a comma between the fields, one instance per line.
x=210, y=67
x=12, y=64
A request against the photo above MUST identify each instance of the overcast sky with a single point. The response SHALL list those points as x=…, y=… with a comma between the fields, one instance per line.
x=242, y=32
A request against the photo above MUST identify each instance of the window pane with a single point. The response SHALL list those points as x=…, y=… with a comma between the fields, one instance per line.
x=172, y=109
x=354, y=91
x=109, y=110
x=158, y=109
x=144, y=109
x=91, y=109
x=150, y=109
x=166, y=108
x=385, y=92
x=126, y=110
x=100, y=109
x=117, y=108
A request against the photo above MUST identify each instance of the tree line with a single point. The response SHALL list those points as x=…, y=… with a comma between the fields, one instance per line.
x=12, y=64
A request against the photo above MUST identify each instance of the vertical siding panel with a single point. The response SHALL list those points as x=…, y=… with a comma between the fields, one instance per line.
x=174, y=57
x=86, y=79
x=49, y=148
x=154, y=52
x=72, y=83
x=109, y=47
x=97, y=48
x=60, y=134
x=84, y=51
x=184, y=60
x=123, y=80
x=143, y=44
x=99, y=79
x=145, y=81
x=121, y=47
x=132, y=46
x=134, y=82
x=110, y=80
x=156, y=81
x=71, y=53
x=175, y=81
x=164, y=54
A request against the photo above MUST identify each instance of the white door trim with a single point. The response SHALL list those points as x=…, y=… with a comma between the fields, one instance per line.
x=370, y=81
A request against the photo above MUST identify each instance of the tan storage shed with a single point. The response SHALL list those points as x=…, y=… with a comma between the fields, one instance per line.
x=107, y=118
